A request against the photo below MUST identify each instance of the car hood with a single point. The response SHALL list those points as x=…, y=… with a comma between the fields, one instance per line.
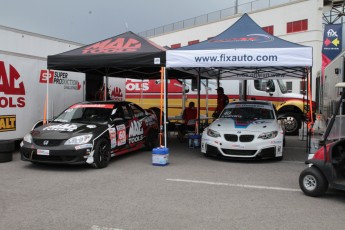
x=227, y=124
x=64, y=131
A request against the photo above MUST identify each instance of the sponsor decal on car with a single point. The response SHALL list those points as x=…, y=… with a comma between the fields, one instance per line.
x=62, y=127
x=107, y=106
x=121, y=134
x=136, y=132
x=112, y=135
x=84, y=146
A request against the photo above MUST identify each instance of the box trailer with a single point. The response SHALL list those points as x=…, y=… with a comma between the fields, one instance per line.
x=25, y=86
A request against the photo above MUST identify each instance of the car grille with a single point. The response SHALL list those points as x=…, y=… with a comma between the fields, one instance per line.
x=53, y=158
x=235, y=138
x=41, y=142
x=237, y=152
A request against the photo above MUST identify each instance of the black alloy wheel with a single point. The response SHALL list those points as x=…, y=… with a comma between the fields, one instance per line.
x=102, y=154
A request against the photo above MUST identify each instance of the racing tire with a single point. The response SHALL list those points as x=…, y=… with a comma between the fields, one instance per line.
x=292, y=123
x=102, y=154
x=151, y=140
x=312, y=182
x=6, y=150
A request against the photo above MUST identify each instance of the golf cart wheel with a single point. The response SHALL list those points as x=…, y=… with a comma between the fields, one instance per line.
x=313, y=182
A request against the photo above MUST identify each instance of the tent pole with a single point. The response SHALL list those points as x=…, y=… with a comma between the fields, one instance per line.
x=198, y=122
x=165, y=106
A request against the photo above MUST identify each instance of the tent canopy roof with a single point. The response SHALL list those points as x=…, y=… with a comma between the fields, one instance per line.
x=125, y=55
x=244, y=51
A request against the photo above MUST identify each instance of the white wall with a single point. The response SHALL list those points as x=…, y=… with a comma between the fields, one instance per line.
x=27, y=43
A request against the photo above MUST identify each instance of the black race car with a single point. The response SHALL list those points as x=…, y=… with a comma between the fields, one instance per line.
x=92, y=132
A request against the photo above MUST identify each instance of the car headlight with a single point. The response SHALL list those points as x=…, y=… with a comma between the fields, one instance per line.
x=268, y=135
x=79, y=140
x=28, y=138
x=212, y=133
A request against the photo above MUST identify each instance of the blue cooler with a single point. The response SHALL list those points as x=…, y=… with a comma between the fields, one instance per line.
x=160, y=156
x=194, y=141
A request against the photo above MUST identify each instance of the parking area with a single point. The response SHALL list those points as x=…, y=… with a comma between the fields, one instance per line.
x=192, y=192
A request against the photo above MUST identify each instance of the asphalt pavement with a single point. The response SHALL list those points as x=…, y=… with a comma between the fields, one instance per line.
x=191, y=192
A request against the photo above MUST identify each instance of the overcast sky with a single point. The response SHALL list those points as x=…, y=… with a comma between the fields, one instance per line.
x=88, y=21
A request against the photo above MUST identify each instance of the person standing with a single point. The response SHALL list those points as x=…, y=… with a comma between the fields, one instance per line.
x=222, y=101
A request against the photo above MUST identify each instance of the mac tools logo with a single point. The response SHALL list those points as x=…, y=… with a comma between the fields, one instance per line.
x=59, y=78
x=136, y=132
x=117, y=45
x=12, y=89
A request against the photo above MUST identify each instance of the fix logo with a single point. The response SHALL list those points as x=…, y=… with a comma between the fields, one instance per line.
x=10, y=85
x=332, y=33
x=59, y=78
x=118, y=45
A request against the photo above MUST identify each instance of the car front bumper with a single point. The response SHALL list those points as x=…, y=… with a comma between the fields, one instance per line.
x=67, y=154
x=258, y=148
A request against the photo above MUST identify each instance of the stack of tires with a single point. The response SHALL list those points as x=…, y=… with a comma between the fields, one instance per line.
x=6, y=151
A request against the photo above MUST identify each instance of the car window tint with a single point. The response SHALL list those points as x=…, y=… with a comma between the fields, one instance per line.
x=126, y=113
x=248, y=113
x=137, y=111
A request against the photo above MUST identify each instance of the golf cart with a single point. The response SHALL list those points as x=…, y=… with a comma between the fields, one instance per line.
x=327, y=166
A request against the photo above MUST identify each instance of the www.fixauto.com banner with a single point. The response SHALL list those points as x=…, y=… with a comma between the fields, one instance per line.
x=332, y=39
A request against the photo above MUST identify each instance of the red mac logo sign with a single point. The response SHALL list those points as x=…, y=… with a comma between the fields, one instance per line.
x=9, y=85
x=118, y=45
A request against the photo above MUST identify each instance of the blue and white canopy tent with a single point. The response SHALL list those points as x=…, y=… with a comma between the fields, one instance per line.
x=244, y=51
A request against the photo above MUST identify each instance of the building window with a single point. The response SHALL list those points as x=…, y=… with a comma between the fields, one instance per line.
x=268, y=29
x=193, y=42
x=289, y=86
x=175, y=46
x=296, y=26
x=302, y=87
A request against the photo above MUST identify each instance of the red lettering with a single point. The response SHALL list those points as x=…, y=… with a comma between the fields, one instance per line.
x=8, y=87
x=21, y=102
x=3, y=78
x=3, y=102
x=113, y=46
x=99, y=45
x=44, y=76
x=10, y=102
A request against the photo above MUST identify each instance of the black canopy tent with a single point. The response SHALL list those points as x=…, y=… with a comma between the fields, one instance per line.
x=125, y=56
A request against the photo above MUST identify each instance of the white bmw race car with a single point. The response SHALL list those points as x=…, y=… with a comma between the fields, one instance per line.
x=245, y=129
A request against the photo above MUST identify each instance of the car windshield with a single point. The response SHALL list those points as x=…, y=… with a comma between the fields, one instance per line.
x=85, y=115
x=247, y=112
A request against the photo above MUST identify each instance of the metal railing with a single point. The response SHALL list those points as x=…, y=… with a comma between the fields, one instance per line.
x=214, y=16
